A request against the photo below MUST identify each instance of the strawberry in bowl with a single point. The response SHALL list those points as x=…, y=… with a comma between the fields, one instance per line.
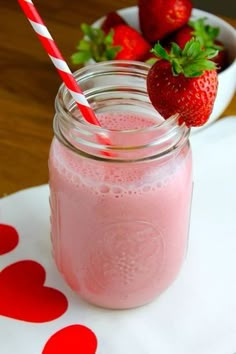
x=158, y=18
x=207, y=35
x=224, y=41
x=115, y=40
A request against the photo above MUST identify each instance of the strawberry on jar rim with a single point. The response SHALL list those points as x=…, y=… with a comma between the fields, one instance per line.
x=159, y=18
x=184, y=82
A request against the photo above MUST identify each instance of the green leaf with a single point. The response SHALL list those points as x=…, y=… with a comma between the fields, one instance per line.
x=206, y=53
x=95, y=45
x=151, y=61
x=176, y=68
x=192, y=61
x=212, y=32
x=190, y=73
x=191, y=48
x=109, y=38
x=86, y=29
x=205, y=33
x=83, y=45
x=93, y=33
x=175, y=50
x=160, y=51
x=211, y=53
x=111, y=52
x=80, y=57
x=205, y=64
x=198, y=67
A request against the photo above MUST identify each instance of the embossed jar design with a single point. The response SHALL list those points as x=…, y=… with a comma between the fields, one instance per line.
x=119, y=212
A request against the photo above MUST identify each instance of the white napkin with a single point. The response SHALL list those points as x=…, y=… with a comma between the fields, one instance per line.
x=196, y=315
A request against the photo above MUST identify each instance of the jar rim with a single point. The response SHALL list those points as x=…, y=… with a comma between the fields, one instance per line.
x=116, y=67
x=85, y=73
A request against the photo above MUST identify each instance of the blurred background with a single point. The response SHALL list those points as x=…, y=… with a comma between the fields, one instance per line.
x=225, y=7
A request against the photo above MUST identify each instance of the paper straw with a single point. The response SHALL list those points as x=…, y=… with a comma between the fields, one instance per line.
x=58, y=60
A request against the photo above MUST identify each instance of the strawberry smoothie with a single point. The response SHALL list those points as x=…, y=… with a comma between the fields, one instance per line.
x=119, y=230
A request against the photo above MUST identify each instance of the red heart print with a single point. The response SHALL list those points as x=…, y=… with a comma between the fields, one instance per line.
x=9, y=238
x=74, y=339
x=24, y=297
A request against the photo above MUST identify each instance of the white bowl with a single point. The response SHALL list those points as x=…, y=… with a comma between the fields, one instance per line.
x=226, y=78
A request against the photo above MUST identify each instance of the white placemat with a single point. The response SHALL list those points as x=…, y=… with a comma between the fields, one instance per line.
x=196, y=315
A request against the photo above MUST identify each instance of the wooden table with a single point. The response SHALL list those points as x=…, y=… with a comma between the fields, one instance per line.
x=29, y=84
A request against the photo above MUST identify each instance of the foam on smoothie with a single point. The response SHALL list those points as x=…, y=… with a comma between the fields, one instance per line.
x=117, y=179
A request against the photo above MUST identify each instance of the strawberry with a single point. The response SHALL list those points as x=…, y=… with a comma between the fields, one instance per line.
x=158, y=18
x=184, y=82
x=122, y=42
x=111, y=20
x=134, y=46
x=221, y=59
x=207, y=35
x=182, y=36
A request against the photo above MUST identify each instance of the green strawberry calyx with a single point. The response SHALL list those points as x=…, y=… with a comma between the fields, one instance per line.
x=96, y=45
x=191, y=61
x=205, y=33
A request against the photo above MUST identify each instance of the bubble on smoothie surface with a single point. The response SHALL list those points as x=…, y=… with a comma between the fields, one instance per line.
x=124, y=121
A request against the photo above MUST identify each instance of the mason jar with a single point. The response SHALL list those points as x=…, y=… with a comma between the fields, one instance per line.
x=120, y=193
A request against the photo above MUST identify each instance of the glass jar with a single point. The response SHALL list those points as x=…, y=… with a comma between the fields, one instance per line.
x=119, y=211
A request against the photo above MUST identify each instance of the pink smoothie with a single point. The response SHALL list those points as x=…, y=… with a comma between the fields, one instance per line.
x=119, y=230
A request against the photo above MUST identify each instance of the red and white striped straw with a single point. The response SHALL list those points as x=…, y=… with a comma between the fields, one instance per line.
x=58, y=60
